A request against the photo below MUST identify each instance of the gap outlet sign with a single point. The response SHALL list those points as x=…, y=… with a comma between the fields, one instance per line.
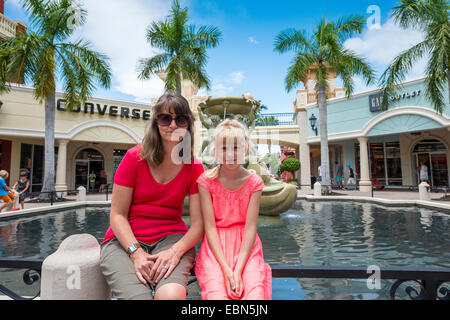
x=376, y=99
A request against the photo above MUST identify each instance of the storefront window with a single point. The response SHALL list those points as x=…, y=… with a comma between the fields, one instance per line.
x=393, y=163
x=433, y=154
x=38, y=168
x=385, y=163
x=32, y=159
x=377, y=165
x=88, y=161
x=89, y=154
x=429, y=146
x=117, y=158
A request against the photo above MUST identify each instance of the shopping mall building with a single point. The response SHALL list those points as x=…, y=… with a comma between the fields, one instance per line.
x=386, y=145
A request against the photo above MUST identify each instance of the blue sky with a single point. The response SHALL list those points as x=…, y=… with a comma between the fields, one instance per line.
x=245, y=60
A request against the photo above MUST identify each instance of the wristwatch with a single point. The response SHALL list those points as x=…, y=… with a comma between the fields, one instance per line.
x=132, y=248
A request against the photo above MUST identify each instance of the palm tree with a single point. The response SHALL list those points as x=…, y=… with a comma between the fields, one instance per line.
x=45, y=56
x=323, y=53
x=183, y=50
x=432, y=18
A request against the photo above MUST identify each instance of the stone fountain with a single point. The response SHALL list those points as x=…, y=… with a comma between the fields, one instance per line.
x=277, y=196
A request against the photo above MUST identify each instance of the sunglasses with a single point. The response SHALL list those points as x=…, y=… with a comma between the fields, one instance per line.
x=165, y=120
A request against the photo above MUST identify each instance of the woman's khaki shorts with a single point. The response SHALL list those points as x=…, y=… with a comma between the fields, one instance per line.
x=118, y=269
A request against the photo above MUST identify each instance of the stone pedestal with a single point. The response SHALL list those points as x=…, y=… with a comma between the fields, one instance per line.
x=73, y=271
x=81, y=196
x=424, y=193
x=317, y=189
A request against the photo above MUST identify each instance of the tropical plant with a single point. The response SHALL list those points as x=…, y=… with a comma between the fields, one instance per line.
x=44, y=56
x=290, y=165
x=183, y=50
x=323, y=53
x=432, y=18
x=267, y=121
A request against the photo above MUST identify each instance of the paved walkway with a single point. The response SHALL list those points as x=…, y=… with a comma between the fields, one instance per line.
x=391, y=194
x=30, y=204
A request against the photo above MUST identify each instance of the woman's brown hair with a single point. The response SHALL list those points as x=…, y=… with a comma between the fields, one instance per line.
x=152, y=146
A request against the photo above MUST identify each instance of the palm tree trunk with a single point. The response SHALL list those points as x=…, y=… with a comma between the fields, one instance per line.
x=178, y=84
x=48, y=183
x=324, y=155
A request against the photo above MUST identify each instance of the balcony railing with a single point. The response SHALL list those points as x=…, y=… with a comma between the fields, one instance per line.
x=418, y=283
x=276, y=119
x=7, y=27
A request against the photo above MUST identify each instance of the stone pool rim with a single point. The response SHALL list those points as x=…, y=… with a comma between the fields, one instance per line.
x=445, y=208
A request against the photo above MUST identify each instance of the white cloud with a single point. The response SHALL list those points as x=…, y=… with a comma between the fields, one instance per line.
x=236, y=77
x=220, y=90
x=117, y=28
x=381, y=45
x=252, y=40
x=224, y=86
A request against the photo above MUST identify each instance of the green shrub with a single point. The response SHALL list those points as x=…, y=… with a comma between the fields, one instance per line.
x=290, y=165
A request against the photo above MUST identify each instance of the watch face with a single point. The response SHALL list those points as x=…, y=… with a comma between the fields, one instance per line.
x=132, y=248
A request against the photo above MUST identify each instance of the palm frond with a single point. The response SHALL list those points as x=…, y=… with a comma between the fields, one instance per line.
x=291, y=40
x=148, y=66
x=44, y=76
x=347, y=27
x=96, y=62
x=158, y=36
x=206, y=36
x=412, y=13
x=396, y=72
x=194, y=72
x=298, y=70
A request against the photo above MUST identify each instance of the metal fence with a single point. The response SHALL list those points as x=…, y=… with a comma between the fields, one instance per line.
x=54, y=196
x=419, y=283
x=276, y=119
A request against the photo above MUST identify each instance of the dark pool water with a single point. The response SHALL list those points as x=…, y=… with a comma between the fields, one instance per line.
x=310, y=234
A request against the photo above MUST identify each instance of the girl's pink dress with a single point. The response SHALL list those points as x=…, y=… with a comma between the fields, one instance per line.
x=230, y=211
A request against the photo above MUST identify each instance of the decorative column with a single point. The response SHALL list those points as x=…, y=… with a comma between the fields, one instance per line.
x=303, y=150
x=61, y=183
x=365, y=185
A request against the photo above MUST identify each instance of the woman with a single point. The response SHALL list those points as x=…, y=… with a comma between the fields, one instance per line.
x=148, y=252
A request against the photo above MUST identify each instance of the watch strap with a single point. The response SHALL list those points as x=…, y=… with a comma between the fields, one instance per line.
x=133, y=247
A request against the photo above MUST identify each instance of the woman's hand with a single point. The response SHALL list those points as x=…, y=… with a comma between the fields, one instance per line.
x=230, y=283
x=237, y=276
x=142, y=265
x=165, y=262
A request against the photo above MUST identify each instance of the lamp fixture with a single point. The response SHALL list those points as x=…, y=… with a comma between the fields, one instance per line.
x=313, y=122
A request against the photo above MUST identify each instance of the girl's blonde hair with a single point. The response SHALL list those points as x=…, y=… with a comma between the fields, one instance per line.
x=229, y=130
x=4, y=174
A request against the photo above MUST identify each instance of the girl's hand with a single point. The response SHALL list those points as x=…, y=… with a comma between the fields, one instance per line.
x=142, y=265
x=237, y=276
x=165, y=262
x=230, y=283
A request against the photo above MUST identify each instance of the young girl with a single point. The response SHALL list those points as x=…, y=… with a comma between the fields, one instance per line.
x=21, y=186
x=230, y=263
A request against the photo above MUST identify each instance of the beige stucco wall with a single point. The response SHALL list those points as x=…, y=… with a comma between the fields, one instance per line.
x=22, y=115
x=22, y=120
